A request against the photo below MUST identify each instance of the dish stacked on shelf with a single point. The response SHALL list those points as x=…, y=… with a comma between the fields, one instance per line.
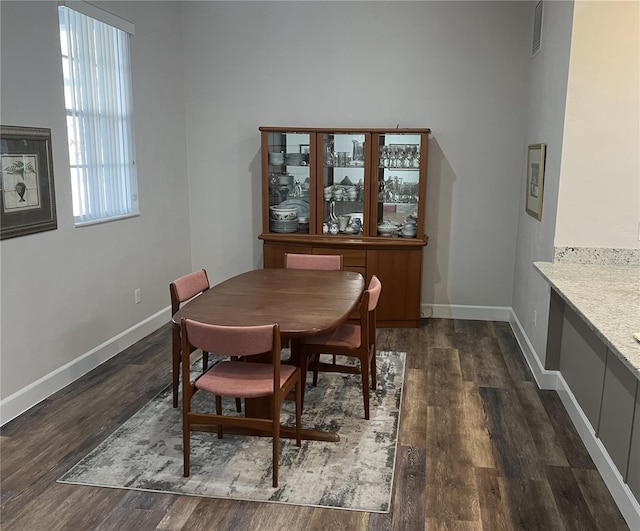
x=388, y=228
x=283, y=219
x=286, y=216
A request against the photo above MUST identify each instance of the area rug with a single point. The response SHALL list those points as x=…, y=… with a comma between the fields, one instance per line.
x=355, y=473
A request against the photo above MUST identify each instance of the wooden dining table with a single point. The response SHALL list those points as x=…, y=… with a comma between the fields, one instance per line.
x=303, y=302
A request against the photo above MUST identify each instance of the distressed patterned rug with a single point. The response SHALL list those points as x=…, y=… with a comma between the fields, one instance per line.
x=355, y=473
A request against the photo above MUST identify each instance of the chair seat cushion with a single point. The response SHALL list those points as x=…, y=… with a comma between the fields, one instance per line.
x=242, y=379
x=347, y=335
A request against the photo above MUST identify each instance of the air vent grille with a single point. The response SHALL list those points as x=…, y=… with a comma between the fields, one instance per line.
x=537, y=29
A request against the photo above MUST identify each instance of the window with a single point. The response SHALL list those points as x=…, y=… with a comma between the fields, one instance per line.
x=97, y=89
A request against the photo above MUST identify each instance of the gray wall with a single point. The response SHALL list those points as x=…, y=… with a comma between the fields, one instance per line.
x=65, y=292
x=459, y=68
x=545, y=123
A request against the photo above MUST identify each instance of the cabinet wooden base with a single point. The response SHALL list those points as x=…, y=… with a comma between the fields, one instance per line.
x=397, y=262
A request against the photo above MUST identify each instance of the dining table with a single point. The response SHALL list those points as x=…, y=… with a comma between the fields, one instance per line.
x=303, y=302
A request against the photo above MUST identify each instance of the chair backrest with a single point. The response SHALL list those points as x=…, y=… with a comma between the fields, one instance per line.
x=327, y=262
x=233, y=341
x=187, y=287
x=374, y=289
x=368, y=311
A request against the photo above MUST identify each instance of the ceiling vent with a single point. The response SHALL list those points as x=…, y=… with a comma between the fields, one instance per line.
x=537, y=29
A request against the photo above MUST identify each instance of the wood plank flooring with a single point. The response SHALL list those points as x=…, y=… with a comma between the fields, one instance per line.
x=480, y=448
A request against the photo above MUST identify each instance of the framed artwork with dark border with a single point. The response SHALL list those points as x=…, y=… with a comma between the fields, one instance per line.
x=27, y=193
x=535, y=180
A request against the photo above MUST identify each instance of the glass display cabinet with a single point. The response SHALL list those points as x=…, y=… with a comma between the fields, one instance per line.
x=356, y=192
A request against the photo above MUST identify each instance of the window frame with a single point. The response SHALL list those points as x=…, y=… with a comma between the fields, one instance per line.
x=107, y=195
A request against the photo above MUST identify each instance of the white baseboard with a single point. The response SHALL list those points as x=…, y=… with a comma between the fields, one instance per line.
x=553, y=380
x=624, y=498
x=29, y=396
x=545, y=378
x=471, y=313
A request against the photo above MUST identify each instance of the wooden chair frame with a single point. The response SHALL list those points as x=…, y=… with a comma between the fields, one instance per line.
x=277, y=396
x=365, y=352
x=176, y=302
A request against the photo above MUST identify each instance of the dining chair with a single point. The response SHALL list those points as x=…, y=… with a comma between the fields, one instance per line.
x=353, y=340
x=245, y=379
x=325, y=262
x=331, y=262
x=182, y=290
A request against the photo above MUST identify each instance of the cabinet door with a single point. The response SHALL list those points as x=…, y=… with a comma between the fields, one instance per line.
x=400, y=275
x=633, y=472
x=397, y=202
x=616, y=411
x=582, y=364
x=289, y=169
x=342, y=183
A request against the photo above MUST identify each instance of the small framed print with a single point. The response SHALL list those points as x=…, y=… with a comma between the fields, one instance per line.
x=305, y=149
x=27, y=194
x=535, y=180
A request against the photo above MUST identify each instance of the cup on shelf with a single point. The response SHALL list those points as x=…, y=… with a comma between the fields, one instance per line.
x=343, y=222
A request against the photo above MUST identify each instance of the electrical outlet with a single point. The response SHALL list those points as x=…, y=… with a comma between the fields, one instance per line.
x=136, y=295
x=535, y=318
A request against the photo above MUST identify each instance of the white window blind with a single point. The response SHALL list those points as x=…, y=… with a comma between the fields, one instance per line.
x=97, y=86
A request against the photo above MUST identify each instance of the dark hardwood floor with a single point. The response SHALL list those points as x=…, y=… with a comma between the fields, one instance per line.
x=480, y=447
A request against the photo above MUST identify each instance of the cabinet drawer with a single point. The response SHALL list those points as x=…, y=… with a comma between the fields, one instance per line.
x=350, y=257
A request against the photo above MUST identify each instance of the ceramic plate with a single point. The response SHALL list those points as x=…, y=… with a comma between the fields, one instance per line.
x=288, y=225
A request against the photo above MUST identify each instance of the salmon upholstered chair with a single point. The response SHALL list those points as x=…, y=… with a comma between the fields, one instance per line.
x=331, y=262
x=182, y=290
x=269, y=380
x=357, y=341
x=325, y=262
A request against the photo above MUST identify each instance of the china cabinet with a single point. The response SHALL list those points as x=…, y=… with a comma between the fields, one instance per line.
x=357, y=192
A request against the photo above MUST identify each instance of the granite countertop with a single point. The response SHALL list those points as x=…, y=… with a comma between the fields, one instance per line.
x=607, y=297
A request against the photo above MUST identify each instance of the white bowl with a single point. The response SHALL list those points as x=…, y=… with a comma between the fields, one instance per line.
x=409, y=229
x=387, y=228
x=282, y=214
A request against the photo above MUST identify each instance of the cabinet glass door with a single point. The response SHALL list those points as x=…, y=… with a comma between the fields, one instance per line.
x=398, y=163
x=289, y=181
x=342, y=183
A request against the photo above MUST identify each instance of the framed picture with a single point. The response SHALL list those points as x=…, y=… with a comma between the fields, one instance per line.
x=27, y=194
x=535, y=180
x=304, y=149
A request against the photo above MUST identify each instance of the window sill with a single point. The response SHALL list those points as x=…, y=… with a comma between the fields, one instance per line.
x=79, y=224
